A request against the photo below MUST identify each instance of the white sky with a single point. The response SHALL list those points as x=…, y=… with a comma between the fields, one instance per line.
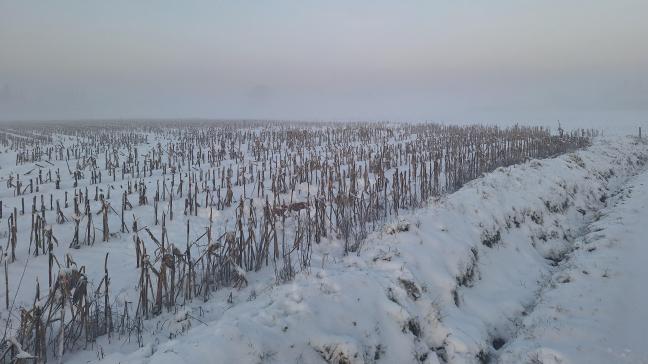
x=583, y=62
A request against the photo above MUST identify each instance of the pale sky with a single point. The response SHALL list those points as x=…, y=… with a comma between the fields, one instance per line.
x=447, y=60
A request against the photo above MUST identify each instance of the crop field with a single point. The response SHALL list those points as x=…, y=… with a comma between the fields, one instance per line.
x=323, y=182
x=107, y=226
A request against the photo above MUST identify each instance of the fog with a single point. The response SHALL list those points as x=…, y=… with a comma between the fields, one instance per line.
x=584, y=63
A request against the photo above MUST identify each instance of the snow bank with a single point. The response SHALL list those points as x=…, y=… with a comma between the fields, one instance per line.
x=595, y=308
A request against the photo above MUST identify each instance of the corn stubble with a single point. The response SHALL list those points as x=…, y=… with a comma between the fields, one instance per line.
x=287, y=186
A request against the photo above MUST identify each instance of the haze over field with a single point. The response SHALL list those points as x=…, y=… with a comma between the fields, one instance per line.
x=323, y=182
x=583, y=62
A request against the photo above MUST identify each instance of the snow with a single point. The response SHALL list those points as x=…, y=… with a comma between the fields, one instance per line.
x=499, y=261
x=435, y=291
x=21, y=354
x=595, y=309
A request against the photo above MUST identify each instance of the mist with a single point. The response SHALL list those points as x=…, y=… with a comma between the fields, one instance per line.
x=584, y=63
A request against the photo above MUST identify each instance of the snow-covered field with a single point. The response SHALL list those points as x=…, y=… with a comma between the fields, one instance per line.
x=469, y=274
x=539, y=262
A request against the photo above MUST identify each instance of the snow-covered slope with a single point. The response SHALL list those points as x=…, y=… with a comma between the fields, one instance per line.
x=452, y=282
x=595, y=309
